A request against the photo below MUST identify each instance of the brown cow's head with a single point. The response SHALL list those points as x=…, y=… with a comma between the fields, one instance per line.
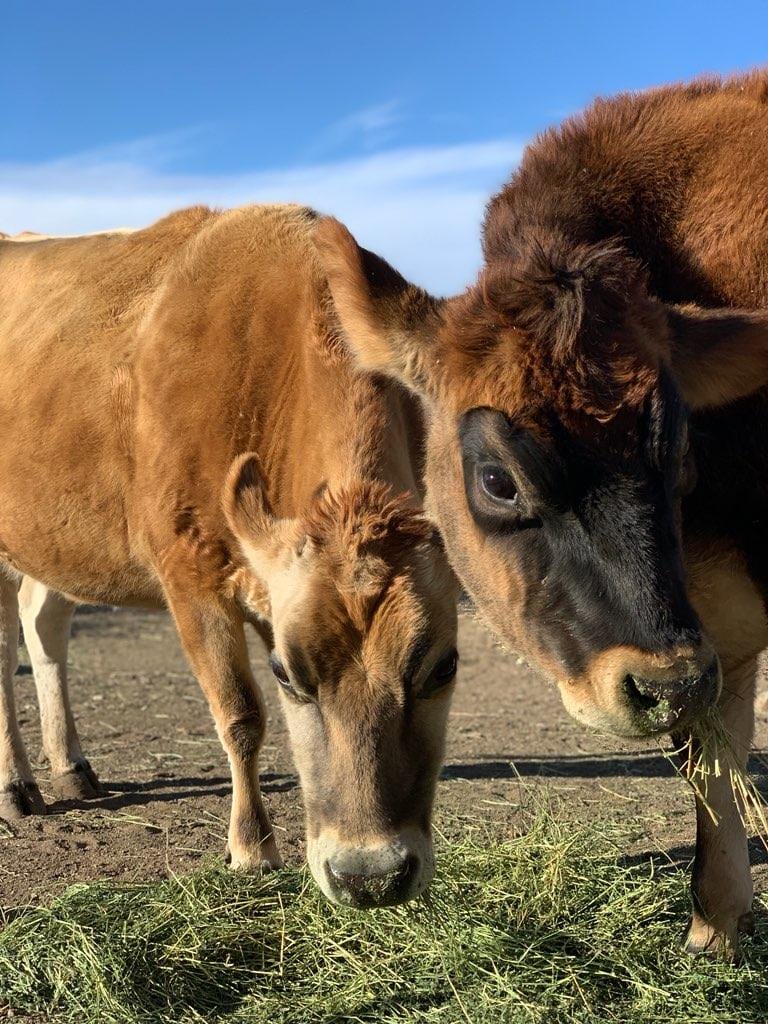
x=363, y=612
x=557, y=457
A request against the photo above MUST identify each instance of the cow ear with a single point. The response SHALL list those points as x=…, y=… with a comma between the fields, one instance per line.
x=718, y=355
x=266, y=541
x=390, y=325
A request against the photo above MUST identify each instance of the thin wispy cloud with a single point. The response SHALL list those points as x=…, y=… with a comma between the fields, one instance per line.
x=421, y=208
x=368, y=129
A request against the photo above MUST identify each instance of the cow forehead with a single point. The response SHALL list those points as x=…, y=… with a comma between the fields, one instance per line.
x=488, y=361
x=328, y=642
x=549, y=413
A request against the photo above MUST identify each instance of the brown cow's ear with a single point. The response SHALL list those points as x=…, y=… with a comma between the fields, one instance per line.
x=390, y=325
x=718, y=355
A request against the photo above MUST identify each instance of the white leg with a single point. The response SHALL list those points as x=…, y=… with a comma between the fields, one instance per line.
x=46, y=617
x=19, y=794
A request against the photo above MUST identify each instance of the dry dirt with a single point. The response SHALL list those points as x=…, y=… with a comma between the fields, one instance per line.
x=146, y=729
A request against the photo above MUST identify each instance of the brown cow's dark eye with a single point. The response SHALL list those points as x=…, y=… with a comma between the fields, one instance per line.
x=497, y=483
x=281, y=675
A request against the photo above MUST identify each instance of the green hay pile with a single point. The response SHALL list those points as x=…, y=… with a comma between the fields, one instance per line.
x=548, y=927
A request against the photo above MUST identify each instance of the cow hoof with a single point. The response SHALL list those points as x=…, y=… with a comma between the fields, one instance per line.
x=254, y=862
x=79, y=783
x=21, y=799
x=704, y=940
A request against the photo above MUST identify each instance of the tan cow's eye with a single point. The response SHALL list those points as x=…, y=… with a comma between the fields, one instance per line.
x=442, y=674
x=279, y=670
x=280, y=673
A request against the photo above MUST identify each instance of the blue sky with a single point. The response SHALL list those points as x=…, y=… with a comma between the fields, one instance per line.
x=401, y=118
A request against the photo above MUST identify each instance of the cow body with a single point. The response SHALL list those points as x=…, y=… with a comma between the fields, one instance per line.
x=597, y=456
x=133, y=343
x=134, y=368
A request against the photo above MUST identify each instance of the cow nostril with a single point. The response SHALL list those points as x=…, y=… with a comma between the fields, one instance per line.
x=374, y=889
x=643, y=693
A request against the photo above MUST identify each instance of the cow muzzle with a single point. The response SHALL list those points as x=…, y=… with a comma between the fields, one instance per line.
x=634, y=693
x=374, y=874
x=661, y=705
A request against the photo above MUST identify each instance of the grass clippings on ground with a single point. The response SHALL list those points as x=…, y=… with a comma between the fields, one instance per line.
x=548, y=927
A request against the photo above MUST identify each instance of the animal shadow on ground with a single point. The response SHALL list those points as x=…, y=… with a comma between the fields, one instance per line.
x=120, y=795
x=583, y=766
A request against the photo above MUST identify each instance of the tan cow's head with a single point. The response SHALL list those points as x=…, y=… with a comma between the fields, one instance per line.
x=363, y=612
x=557, y=393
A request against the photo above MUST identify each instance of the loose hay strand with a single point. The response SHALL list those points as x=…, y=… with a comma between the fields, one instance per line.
x=709, y=753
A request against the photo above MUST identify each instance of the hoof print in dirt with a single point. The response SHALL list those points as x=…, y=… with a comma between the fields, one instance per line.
x=21, y=799
x=80, y=783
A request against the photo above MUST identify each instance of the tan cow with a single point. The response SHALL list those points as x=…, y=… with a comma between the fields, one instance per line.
x=182, y=427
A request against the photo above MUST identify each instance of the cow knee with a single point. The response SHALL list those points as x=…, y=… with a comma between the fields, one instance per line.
x=244, y=735
x=46, y=617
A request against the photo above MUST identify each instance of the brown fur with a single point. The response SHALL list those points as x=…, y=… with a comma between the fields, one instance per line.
x=630, y=248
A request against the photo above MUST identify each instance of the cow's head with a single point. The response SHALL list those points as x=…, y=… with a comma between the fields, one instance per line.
x=363, y=611
x=556, y=392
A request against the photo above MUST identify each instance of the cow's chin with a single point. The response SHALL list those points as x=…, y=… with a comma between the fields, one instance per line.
x=380, y=872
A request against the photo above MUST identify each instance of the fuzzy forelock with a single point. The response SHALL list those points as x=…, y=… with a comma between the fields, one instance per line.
x=366, y=537
x=365, y=516
x=579, y=311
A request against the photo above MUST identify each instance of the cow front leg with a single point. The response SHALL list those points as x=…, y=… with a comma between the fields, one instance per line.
x=46, y=617
x=212, y=634
x=19, y=794
x=722, y=880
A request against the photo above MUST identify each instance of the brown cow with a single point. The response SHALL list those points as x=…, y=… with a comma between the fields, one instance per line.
x=144, y=380
x=604, y=370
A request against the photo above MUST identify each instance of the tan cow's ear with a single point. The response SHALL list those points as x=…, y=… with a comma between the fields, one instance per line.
x=245, y=502
x=718, y=355
x=265, y=540
x=390, y=325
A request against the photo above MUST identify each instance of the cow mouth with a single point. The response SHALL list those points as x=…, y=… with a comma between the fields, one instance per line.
x=658, y=706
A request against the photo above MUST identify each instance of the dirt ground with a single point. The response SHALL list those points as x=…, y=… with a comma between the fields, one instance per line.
x=146, y=729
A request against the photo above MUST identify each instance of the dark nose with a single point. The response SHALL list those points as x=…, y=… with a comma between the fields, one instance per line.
x=364, y=889
x=673, y=703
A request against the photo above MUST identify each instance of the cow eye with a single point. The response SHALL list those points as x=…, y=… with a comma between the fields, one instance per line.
x=279, y=670
x=281, y=675
x=688, y=472
x=497, y=483
x=442, y=674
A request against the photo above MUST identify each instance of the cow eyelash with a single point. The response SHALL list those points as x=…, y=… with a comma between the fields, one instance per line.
x=280, y=673
x=441, y=675
x=279, y=670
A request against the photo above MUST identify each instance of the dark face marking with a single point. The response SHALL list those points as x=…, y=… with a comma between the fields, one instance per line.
x=591, y=527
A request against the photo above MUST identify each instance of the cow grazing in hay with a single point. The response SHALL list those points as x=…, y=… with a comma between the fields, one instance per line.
x=606, y=373
x=182, y=427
